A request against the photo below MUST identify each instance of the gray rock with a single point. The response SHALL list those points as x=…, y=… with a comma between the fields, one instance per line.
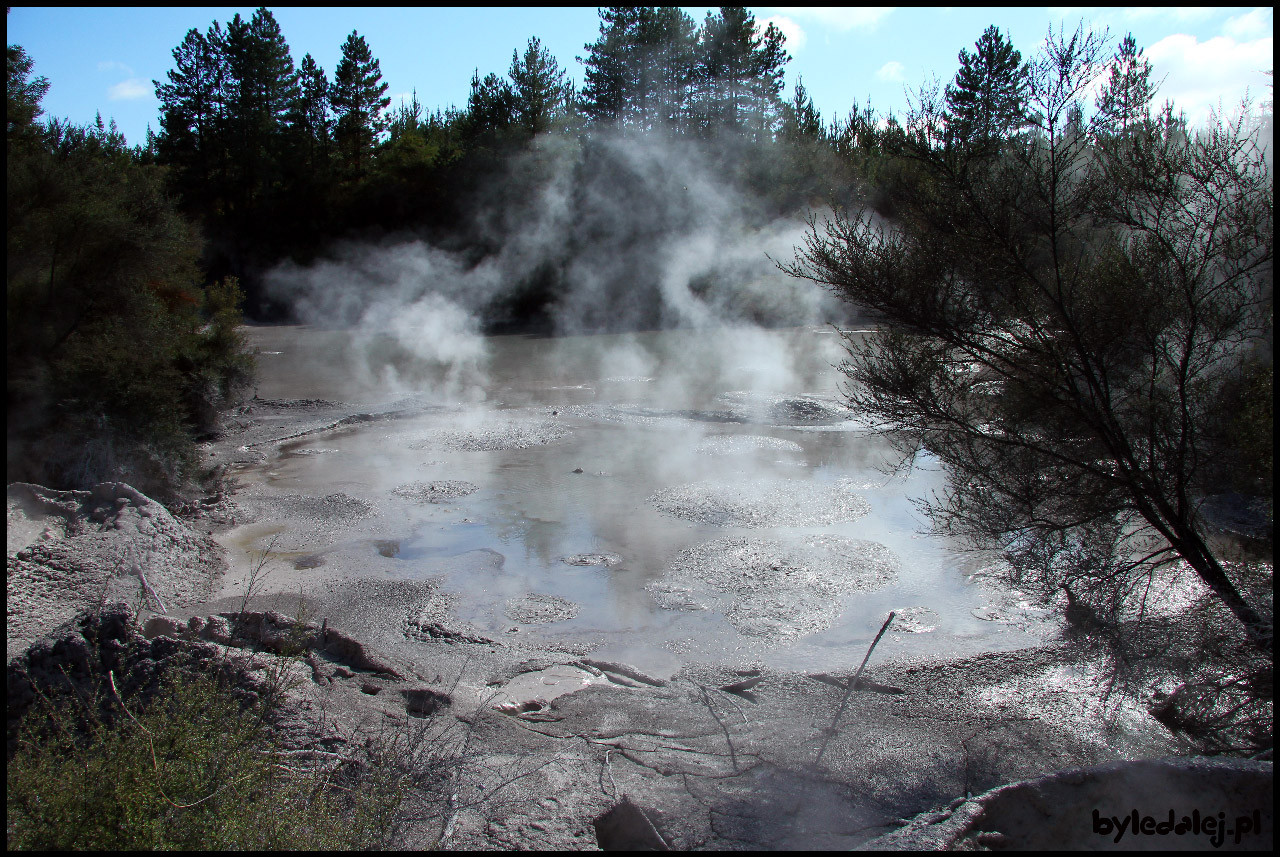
x=164, y=626
x=425, y=701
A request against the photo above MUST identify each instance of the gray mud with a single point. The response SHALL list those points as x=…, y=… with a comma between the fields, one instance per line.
x=762, y=503
x=538, y=609
x=608, y=560
x=742, y=444
x=305, y=523
x=493, y=434
x=775, y=588
x=435, y=492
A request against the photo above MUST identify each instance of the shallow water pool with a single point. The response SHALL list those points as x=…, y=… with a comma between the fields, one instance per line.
x=695, y=494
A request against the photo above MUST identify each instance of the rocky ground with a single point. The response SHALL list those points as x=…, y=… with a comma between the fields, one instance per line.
x=550, y=748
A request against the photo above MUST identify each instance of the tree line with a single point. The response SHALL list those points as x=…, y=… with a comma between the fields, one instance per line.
x=276, y=161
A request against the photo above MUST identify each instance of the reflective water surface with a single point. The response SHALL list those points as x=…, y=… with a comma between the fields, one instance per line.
x=643, y=460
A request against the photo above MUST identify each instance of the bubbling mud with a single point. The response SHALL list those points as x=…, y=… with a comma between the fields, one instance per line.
x=742, y=444
x=494, y=434
x=435, y=492
x=775, y=588
x=762, y=503
x=536, y=609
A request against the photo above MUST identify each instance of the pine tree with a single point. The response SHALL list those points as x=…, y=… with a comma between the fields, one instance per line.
x=22, y=97
x=358, y=102
x=801, y=121
x=741, y=72
x=541, y=92
x=193, y=117
x=611, y=69
x=490, y=107
x=310, y=119
x=668, y=41
x=989, y=96
x=1125, y=100
x=406, y=120
x=263, y=86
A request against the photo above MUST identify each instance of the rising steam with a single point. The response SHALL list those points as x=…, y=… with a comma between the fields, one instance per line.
x=626, y=232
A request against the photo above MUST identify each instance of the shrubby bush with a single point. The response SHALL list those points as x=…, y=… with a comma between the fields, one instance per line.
x=116, y=355
x=194, y=764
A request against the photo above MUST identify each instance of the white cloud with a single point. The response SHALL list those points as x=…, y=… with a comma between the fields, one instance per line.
x=130, y=90
x=1181, y=14
x=1200, y=76
x=113, y=65
x=842, y=18
x=1250, y=25
x=796, y=37
x=891, y=70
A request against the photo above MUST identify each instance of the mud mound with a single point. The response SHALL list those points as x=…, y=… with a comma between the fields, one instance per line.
x=435, y=492
x=540, y=609
x=786, y=410
x=493, y=435
x=740, y=444
x=762, y=503
x=586, y=559
x=915, y=620
x=775, y=588
x=76, y=548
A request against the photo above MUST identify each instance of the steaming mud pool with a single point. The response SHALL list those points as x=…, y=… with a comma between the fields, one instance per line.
x=672, y=496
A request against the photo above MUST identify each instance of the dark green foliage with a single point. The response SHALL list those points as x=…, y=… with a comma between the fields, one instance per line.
x=801, y=121
x=490, y=109
x=310, y=117
x=641, y=71
x=358, y=100
x=22, y=99
x=191, y=765
x=612, y=70
x=740, y=73
x=542, y=95
x=1126, y=98
x=988, y=98
x=193, y=119
x=115, y=353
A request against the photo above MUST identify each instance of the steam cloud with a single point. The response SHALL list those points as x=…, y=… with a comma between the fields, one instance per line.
x=627, y=232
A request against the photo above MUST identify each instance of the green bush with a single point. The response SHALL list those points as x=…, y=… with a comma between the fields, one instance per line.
x=116, y=355
x=193, y=769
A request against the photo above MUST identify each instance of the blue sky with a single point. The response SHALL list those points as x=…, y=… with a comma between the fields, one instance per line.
x=104, y=59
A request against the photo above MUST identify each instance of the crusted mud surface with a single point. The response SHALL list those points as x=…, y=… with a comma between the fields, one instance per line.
x=775, y=588
x=68, y=550
x=549, y=742
x=762, y=503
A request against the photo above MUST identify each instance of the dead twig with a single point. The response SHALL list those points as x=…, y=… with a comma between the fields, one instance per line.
x=853, y=682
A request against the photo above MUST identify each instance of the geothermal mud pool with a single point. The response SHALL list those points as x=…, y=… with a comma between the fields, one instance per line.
x=698, y=495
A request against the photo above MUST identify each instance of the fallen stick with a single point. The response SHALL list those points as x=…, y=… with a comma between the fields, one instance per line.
x=853, y=682
x=863, y=665
x=146, y=587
